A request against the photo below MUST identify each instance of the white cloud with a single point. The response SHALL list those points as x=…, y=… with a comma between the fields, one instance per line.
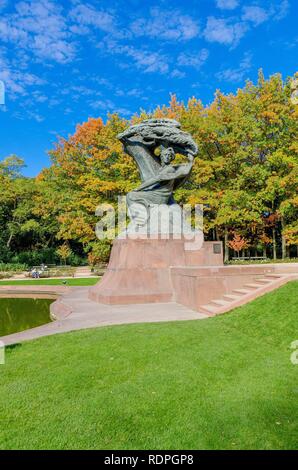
x=255, y=14
x=40, y=28
x=134, y=93
x=172, y=26
x=109, y=106
x=17, y=82
x=239, y=73
x=193, y=60
x=229, y=31
x=79, y=29
x=102, y=82
x=86, y=15
x=227, y=4
x=196, y=85
x=39, y=97
x=177, y=74
x=35, y=116
x=144, y=60
x=224, y=31
x=281, y=10
x=10, y=33
x=82, y=90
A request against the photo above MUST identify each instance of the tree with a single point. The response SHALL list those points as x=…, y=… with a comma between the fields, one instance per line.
x=64, y=252
x=12, y=166
x=245, y=175
x=100, y=252
x=88, y=169
x=238, y=243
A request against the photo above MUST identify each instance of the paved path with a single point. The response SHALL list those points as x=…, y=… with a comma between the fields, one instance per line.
x=33, y=290
x=88, y=314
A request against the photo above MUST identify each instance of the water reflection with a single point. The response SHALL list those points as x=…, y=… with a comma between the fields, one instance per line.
x=21, y=314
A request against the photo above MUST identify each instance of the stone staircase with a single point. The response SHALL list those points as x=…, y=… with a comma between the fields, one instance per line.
x=240, y=296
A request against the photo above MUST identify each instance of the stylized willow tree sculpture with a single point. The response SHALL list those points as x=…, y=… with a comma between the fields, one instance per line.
x=159, y=177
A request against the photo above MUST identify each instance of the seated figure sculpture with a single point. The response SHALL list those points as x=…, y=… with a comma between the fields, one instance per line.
x=155, y=196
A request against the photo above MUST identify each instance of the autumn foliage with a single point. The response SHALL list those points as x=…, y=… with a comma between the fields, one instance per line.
x=245, y=175
x=238, y=243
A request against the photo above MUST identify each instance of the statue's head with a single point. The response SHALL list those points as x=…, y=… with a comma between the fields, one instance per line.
x=167, y=155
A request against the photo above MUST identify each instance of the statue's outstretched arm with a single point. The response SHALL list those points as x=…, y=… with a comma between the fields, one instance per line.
x=148, y=183
x=143, y=156
x=184, y=169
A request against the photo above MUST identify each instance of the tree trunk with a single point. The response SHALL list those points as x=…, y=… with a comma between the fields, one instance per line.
x=264, y=252
x=283, y=240
x=226, y=245
x=274, y=242
x=9, y=240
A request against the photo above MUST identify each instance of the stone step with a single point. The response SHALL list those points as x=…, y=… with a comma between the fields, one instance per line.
x=221, y=302
x=263, y=280
x=277, y=276
x=209, y=308
x=242, y=291
x=232, y=296
x=253, y=286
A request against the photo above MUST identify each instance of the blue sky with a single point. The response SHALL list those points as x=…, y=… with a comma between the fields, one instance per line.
x=62, y=62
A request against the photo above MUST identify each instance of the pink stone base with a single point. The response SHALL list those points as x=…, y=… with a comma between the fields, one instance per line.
x=32, y=291
x=139, y=269
x=196, y=286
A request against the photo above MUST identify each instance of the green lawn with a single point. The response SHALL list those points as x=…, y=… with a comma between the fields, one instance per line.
x=222, y=383
x=88, y=281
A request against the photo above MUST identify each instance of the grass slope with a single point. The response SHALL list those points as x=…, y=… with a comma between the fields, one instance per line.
x=83, y=281
x=222, y=383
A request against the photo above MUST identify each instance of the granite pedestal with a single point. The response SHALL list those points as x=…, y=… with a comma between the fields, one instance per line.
x=139, y=270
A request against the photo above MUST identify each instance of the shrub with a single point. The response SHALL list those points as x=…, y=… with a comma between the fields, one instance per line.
x=13, y=267
x=77, y=260
x=100, y=252
x=62, y=271
x=262, y=261
x=99, y=269
x=56, y=271
x=36, y=258
x=5, y=275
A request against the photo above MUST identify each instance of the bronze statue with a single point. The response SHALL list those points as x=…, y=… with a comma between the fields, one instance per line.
x=159, y=177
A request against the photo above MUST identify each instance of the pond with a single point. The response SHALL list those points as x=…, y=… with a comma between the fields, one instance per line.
x=20, y=314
